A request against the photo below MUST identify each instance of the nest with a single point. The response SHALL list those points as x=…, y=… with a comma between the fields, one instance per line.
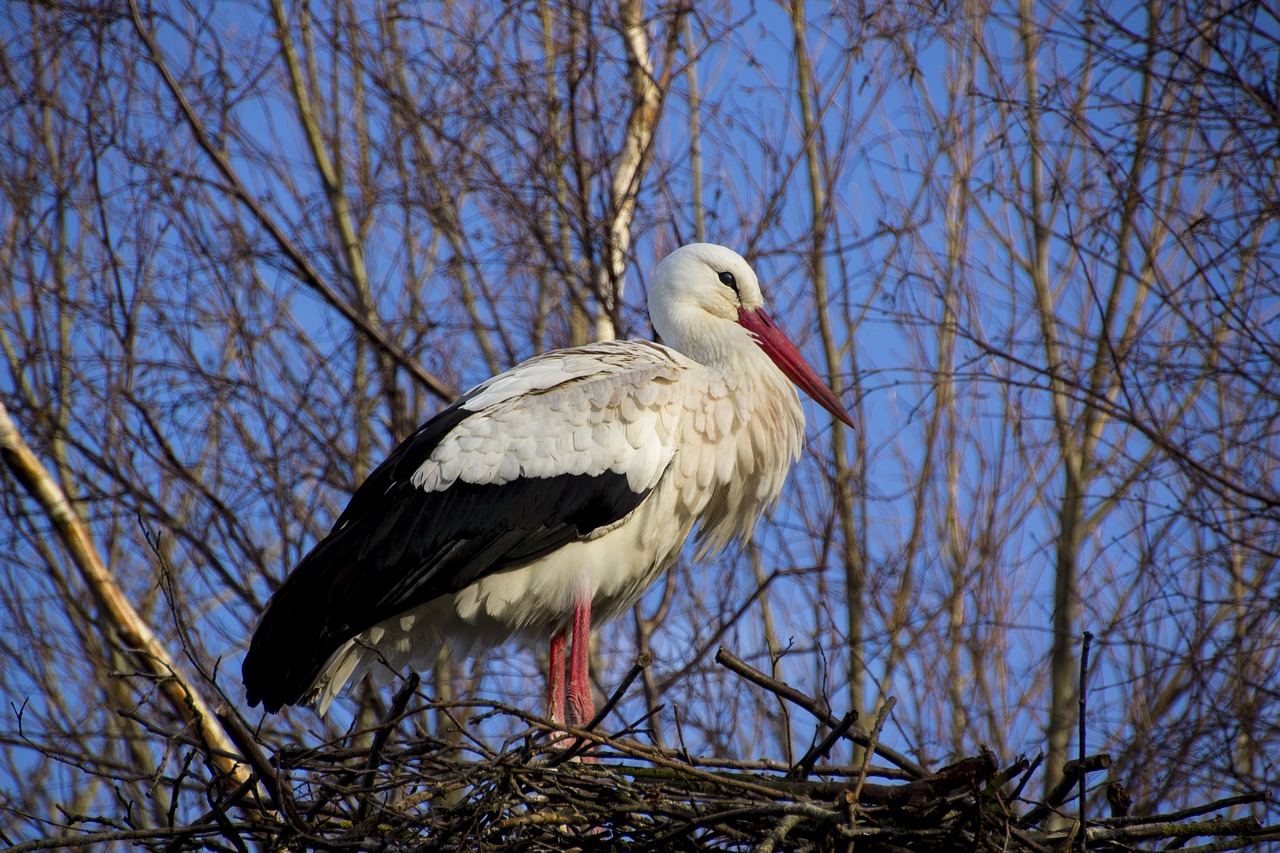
x=577, y=789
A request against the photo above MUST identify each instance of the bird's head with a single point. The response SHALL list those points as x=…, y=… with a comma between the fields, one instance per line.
x=701, y=278
x=705, y=301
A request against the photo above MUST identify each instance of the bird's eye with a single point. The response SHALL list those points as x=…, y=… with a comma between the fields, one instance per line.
x=727, y=279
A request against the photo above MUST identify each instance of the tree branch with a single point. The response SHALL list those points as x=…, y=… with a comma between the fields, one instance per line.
x=136, y=636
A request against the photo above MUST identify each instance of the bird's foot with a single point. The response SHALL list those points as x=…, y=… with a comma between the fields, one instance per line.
x=579, y=716
x=582, y=708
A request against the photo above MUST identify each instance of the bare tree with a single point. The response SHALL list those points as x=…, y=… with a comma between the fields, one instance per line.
x=244, y=251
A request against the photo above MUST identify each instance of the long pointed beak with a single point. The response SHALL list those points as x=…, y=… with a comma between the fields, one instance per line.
x=789, y=360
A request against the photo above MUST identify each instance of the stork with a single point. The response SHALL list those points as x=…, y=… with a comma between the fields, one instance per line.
x=550, y=497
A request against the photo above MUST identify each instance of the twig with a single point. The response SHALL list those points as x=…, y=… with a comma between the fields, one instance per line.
x=852, y=797
x=799, y=809
x=1071, y=773
x=661, y=759
x=755, y=676
x=642, y=663
x=69, y=842
x=1017, y=768
x=784, y=691
x=380, y=737
x=881, y=716
x=804, y=766
x=968, y=771
x=249, y=748
x=1081, y=722
x=1194, y=811
x=684, y=750
x=766, y=765
x=1247, y=826
x=1233, y=843
x=1026, y=777
x=778, y=834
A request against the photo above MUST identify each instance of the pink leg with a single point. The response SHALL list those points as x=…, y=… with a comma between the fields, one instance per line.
x=581, y=706
x=555, y=680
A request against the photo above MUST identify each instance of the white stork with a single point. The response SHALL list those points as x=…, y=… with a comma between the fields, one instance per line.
x=551, y=495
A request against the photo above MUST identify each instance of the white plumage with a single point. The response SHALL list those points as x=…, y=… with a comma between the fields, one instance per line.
x=552, y=495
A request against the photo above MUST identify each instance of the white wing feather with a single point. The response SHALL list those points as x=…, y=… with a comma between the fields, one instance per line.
x=609, y=407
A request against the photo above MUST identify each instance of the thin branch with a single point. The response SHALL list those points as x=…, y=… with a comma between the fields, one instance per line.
x=309, y=275
x=135, y=635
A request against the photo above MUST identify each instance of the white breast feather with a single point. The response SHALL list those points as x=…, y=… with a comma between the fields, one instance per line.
x=748, y=428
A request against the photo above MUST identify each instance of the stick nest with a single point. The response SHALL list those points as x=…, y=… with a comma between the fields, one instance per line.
x=546, y=790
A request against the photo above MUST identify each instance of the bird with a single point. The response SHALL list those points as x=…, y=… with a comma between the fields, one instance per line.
x=547, y=499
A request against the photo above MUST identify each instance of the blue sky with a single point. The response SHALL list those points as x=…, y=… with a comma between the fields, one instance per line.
x=888, y=274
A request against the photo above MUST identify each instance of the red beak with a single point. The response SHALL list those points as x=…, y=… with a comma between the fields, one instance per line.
x=790, y=361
